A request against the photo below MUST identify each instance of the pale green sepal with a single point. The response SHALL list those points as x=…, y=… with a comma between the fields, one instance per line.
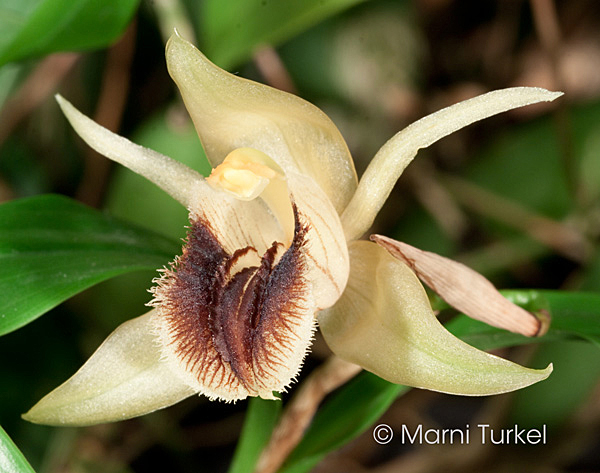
x=391, y=160
x=231, y=112
x=384, y=323
x=124, y=378
x=174, y=178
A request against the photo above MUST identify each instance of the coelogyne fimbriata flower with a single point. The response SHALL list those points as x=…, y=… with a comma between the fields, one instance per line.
x=272, y=251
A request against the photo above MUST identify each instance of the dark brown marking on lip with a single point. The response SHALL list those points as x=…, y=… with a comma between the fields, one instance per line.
x=232, y=326
x=285, y=293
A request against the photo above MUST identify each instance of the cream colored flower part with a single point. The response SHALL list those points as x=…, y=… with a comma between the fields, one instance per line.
x=393, y=157
x=385, y=311
x=464, y=289
x=266, y=252
x=124, y=378
x=171, y=176
x=231, y=112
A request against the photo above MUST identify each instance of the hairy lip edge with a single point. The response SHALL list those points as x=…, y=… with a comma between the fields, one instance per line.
x=230, y=328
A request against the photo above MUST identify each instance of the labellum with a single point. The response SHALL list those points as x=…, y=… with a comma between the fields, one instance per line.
x=236, y=322
x=235, y=314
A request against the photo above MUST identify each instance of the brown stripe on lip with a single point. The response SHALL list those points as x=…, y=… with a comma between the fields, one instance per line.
x=237, y=329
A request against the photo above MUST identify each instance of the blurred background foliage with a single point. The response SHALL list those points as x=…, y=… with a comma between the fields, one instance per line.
x=516, y=197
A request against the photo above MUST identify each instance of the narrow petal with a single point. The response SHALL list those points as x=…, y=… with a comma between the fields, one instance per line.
x=231, y=112
x=464, y=289
x=124, y=378
x=173, y=177
x=384, y=323
x=389, y=162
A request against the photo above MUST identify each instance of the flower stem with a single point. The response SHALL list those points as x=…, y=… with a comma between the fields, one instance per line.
x=301, y=409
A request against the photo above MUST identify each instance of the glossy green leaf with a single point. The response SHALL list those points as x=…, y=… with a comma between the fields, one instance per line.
x=574, y=315
x=36, y=27
x=11, y=458
x=231, y=30
x=52, y=247
x=348, y=413
x=261, y=417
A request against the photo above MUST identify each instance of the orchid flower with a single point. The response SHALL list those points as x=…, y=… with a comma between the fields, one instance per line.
x=273, y=250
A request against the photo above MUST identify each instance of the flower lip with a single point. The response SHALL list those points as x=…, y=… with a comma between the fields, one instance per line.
x=236, y=330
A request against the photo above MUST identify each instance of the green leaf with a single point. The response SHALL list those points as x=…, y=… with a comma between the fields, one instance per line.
x=11, y=459
x=52, y=247
x=232, y=30
x=37, y=27
x=574, y=315
x=261, y=417
x=348, y=413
